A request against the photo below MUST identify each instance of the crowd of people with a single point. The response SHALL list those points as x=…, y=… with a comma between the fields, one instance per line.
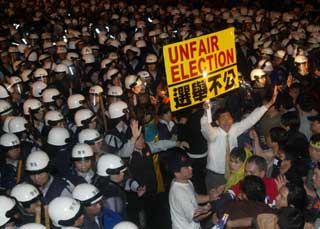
x=88, y=139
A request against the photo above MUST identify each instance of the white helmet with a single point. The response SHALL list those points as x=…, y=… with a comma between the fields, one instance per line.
x=83, y=117
x=96, y=90
x=4, y=93
x=25, y=193
x=300, y=59
x=86, y=50
x=115, y=91
x=32, y=226
x=151, y=59
x=5, y=108
x=72, y=55
x=125, y=225
x=53, y=117
x=110, y=164
x=49, y=95
x=265, y=65
x=75, y=101
x=267, y=51
x=113, y=56
x=257, y=72
x=13, y=80
x=280, y=54
x=88, y=58
x=7, y=204
x=9, y=140
x=26, y=75
x=82, y=151
x=61, y=68
x=5, y=126
x=64, y=211
x=138, y=36
x=112, y=73
x=89, y=136
x=144, y=74
x=32, y=56
x=58, y=136
x=117, y=109
x=37, y=162
x=44, y=56
x=132, y=81
x=17, y=124
x=31, y=105
x=40, y=73
x=87, y=194
x=37, y=88
x=105, y=62
x=141, y=44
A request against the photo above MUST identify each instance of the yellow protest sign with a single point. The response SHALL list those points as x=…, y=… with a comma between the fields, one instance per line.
x=201, y=68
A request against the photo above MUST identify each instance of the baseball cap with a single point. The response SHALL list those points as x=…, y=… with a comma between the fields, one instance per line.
x=179, y=159
x=314, y=118
x=315, y=141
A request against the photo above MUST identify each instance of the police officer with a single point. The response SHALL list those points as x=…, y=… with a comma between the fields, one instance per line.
x=95, y=216
x=11, y=168
x=58, y=147
x=29, y=198
x=38, y=170
x=83, y=164
x=120, y=139
x=94, y=139
x=65, y=211
x=9, y=212
x=113, y=185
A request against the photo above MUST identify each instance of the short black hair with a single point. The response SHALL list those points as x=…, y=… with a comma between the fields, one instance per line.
x=221, y=111
x=290, y=119
x=290, y=218
x=306, y=102
x=279, y=135
x=254, y=188
x=315, y=138
x=238, y=153
x=297, y=196
x=259, y=161
x=163, y=109
x=284, y=100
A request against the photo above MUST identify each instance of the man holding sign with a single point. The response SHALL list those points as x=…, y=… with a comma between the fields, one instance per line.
x=223, y=138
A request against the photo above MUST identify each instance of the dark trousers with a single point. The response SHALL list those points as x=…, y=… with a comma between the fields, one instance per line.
x=199, y=174
x=214, y=180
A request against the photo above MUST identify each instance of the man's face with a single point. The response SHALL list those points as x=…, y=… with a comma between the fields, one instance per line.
x=225, y=121
x=40, y=179
x=118, y=178
x=14, y=153
x=83, y=166
x=316, y=178
x=282, y=197
x=304, y=67
x=186, y=172
x=252, y=169
x=314, y=153
x=94, y=209
x=315, y=127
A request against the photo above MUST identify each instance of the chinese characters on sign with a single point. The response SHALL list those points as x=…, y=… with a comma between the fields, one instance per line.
x=186, y=62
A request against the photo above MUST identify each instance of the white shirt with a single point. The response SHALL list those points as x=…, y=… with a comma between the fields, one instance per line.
x=217, y=137
x=182, y=200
